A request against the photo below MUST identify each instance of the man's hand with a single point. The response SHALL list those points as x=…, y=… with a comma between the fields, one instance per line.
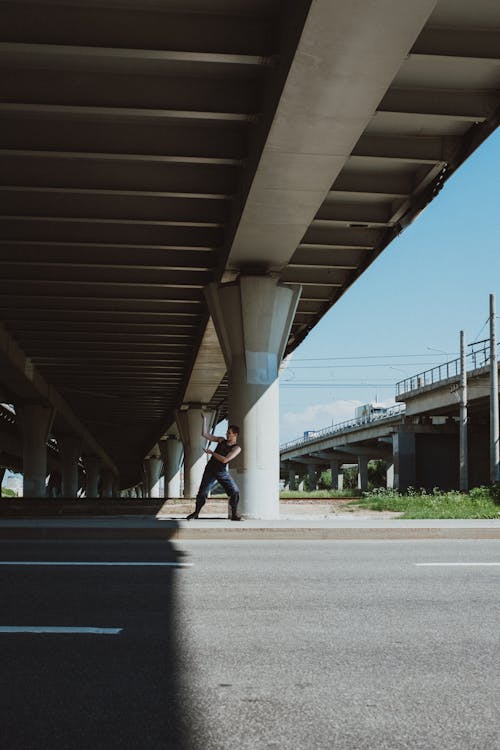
x=208, y=451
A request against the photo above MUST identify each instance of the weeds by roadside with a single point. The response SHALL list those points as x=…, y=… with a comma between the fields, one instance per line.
x=480, y=502
x=317, y=494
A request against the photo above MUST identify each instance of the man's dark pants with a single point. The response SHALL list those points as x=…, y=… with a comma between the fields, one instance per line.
x=209, y=480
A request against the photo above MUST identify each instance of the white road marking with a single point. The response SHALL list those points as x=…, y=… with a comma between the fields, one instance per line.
x=58, y=630
x=457, y=564
x=116, y=564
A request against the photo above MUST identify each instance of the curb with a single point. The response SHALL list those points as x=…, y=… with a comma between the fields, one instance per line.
x=164, y=531
x=339, y=534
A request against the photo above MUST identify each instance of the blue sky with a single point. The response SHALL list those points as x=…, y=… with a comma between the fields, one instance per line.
x=432, y=281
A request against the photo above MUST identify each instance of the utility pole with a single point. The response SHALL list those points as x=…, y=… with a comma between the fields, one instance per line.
x=464, y=459
x=494, y=444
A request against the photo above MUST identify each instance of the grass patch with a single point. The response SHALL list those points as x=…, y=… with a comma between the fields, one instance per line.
x=298, y=495
x=480, y=502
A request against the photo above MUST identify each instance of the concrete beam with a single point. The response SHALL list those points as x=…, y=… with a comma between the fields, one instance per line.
x=344, y=54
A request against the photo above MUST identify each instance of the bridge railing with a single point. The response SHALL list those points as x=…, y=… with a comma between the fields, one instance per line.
x=349, y=424
x=475, y=359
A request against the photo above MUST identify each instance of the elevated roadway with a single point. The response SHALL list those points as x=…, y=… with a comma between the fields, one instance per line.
x=150, y=149
x=418, y=438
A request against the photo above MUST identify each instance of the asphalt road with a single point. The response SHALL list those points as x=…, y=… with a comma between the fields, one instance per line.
x=346, y=645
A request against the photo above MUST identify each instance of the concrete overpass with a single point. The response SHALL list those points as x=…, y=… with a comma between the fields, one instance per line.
x=418, y=438
x=188, y=186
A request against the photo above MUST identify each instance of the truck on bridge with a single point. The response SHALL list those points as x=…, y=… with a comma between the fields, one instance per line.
x=366, y=412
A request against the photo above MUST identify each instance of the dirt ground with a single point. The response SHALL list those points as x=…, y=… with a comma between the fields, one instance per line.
x=313, y=509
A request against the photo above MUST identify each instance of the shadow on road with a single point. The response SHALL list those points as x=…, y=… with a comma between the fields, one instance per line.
x=82, y=692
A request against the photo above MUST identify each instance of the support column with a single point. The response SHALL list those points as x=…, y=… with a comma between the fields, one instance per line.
x=36, y=420
x=70, y=447
x=92, y=468
x=2, y=474
x=253, y=317
x=171, y=452
x=362, y=473
x=291, y=479
x=390, y=476
x=403, y=446
x=189, y=426
x=139, y=491
x=311, y=476
x=107, y=483
x=334, y=469
x=152, y=467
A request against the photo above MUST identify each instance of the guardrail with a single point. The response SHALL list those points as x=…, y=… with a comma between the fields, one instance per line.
x=474, y=360
x=350, y=424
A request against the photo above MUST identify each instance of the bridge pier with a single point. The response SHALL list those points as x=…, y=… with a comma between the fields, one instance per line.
x=312, y=477
x=334, y=469
x=253, y=317
x=171, y=452
x=70, y=447
x=189, y=426
x=107, y=483
x=389, y=483
x=36, y=420
x=92, y=466
x=152, y=469
x=403, y=447
x=363, y=473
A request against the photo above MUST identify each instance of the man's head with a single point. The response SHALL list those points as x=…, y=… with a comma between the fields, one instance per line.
x=232, y=432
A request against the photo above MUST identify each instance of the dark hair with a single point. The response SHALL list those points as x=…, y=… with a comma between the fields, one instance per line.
x=234, y=428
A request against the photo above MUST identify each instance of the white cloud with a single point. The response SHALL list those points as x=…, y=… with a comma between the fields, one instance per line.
x=294, y=424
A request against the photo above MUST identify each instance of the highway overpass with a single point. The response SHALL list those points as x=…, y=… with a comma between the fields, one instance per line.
x=188, y=186
x=418, y=438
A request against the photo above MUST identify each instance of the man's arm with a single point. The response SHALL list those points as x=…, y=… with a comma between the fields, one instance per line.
x=224, y=459
x=208, y=435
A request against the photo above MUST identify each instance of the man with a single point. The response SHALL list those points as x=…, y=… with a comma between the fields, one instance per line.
x=216, y=469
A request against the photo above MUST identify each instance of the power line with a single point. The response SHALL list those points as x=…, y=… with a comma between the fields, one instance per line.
x=363, y=356
x=327, y=367
x=336, y=385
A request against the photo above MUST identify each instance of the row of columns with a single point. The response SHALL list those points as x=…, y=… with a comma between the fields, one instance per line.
x=253, y=317
x=36, y=422
x=337, y=477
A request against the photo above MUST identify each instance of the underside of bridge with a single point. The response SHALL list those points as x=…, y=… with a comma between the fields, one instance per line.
x=150, y=147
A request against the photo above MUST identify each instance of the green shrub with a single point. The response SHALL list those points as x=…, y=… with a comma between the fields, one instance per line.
x=419, y=503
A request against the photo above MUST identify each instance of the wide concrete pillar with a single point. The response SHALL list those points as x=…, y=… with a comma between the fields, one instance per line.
x=152, y=468
x=36, y=421
x=195, y=459
x=253, y=317
x=362, y=473
x=291, y=479
x=171, y=453
x=404, y=453
x=70, y=447
x=107, y=479
x=334, y=469
x=311, y=477
x=92, y=466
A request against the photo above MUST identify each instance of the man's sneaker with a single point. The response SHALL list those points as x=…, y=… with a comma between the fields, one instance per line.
x=236, y=518
x=192, y=515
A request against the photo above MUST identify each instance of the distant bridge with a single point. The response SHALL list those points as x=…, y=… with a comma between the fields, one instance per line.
x=418, y=438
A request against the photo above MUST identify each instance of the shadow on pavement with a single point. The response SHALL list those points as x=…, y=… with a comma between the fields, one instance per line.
x=88, y=692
